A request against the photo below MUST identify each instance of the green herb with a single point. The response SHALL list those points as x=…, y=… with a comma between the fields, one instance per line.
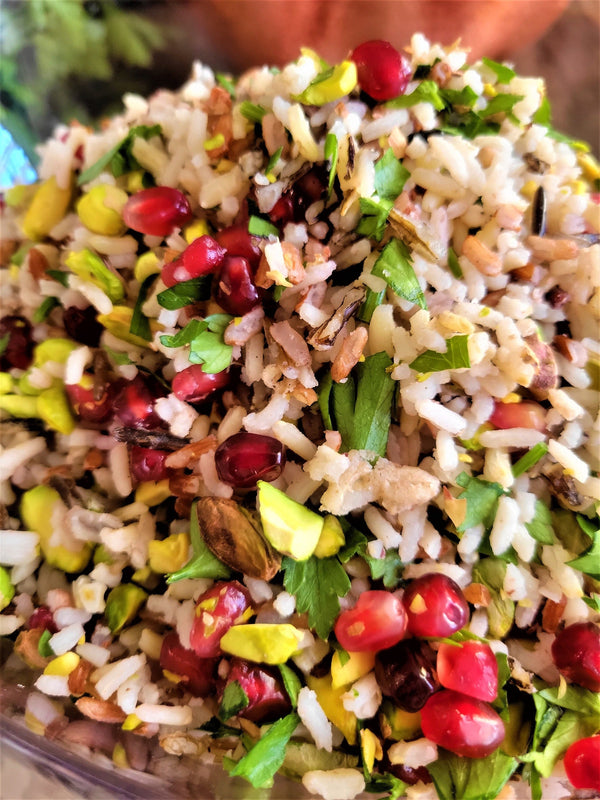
x=570, y=533
x=503, y=73
x=277, y=292
x=453, y=264
x=58, y=275
x=234, y=700
x=252, y=112
x=355, y=542
x=468, y=124
x=44, y=648
x=574, y=698
x=372, y=300
x=374, y=217
x=41, y=313
x=540, y=528
x=390, y=176
x=291, y=683
x=226, y=82
x=118, y=358
x=501, y=611
x=387, y=785
x=91, y=268
x=387, y=569
x=373, y=407
x=482, y=500
x=593, y=602
x=426, y=92
x=4, y=340
x=455, y=357
x=394, y=265
x=186, y=335
x=261, y=227
x=331, y=155
x=465, y=97
x=324, y=397
x=120, y=158
x=458, y=778
x=317, y=585
x=273, y=160
x=261, y=763
x=589, y=561
x=218, y=730
x=208, y=347
x=344, y=400
x=203, y=563
x=500, y=104
x=537, y=452
x=140, y=324
x=343, y=655
x=186, y=293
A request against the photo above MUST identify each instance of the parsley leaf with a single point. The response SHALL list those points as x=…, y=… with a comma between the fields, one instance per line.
x=482, y=500
x=58, y=275
x=453, y=264
x=44, y=648
x=540, y=528
x=426, y=92
x=186, y=335
x=120, y=158
x=503, y=73
x=465, y=97
x=344, y=399
x=186, y=293
x=317, y=585
x=291, y=683
x=390, y=176
x=500, y=104
x=388, y=569
x=455, y=357
x=260, y=764
x=471, y=778
x=209, y=349
x=373, y=407
x=372, y=300
x=140, y=324
x=589, y=561
x=394, y=265
x=203, y=564
x=501, y=611
x=374, y=217
x=234, y=700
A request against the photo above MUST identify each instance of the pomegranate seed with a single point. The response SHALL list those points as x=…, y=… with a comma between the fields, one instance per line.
x=203, y=256
x=82, y=325
x=409, y=775
x=582, y=763
x=376, y=622
x=237, y=241
x=526, y=414
x=86, y=406
x=245, y=458
x=42, y=617
x=197, y=674
x=268, y=700
x=18, y=350
x=461, y=724
x=576, y=653
x=223, y=605
x=193, y=385
x=134, y=404
x=405, y=673
x=157, y=211
x=236, y=293
x=435, y=606
x=383, y=72
x=470, y=668
x=147, y=464
x=283, y=211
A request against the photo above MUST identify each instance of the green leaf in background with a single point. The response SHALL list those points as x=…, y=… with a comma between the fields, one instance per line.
x=455, y=357
x=458, y=778
x=504, y=73
x=394, y=265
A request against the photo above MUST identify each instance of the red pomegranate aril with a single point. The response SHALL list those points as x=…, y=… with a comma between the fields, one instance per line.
x=157, y=211
x=87, y=408
x=461, y=724
x=197, y=674
x=202, y=257
x=245, y=458
x=376, y=622
x=576, y=653
x=42, y=617
x=383, y=72
x=147, y=464
x=193, y=385
x=18, y=350
x=582, y=763
x=134, y=405
x=405, y=672
x=470, y=668
x=435, y=606
x=223, y=605
x=238, y=241
x=283, y=211
x=82, y=325
x=525, y=414
x=236, y=292
x=268, y=700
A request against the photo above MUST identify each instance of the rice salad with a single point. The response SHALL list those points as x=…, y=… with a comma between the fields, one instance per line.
x=299, y=468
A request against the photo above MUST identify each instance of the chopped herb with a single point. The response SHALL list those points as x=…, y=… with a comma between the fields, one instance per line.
x=374, y=217
x=500, y=104
x=593, y=602
x=185, y=335
x=324, y=397
x=426, y=92
x=465, y=97
x=218, y=140
x=455, y=357
x=317, y=584
x=387, y=569
x=261, y=763
x=261, y=227
x=203, y=564
x=120, y=359
x=226, y=82
x=140, y=324
x=537, y=452
x=355, y=544
x=120, y=158
x=234, y=700
x=387, y=785
x=58, y=275
x=453, y=264
x=331, y=155
x=88, y=266
x=503, y=73
x=372, y=300
x=44, y=648
x=468, y=124
x=291, y=682
x=540, y=528
x=373, y=407
x=394, y=265
x=344, y=400
x=186, y=293
x=390, y=176
x=482, y=500
x=471, y=778
x=4, y=340
x=208, y=347
x=41, y=313
x=589, y=561
x=501, y=610
x=252, y=112
x=543, y=116
x=273, y=160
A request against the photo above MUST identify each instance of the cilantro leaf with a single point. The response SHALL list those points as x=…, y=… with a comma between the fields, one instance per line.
x=372, y=300
x=390, y=176
x=120, y=158
x=589, y=561
x=331, y=155
x=260, y=764
x=186, y=335
x=571, y=727
x=503, y=73
x=203, y=564
x=540, y=527
x=426, y=92
x=234, y=700
x=317, y=585
x=140, y=324
x=455, y=357
x=324, y=397
x=482, y=500
x=373, y=407
x=374, y=217
x=291, y=682
x=471, y=778
x=355, y=542
x=186, y=293
x=208, y=347
x=394, y=265
x=388, y=569
x=574, y=698
x=344, y=399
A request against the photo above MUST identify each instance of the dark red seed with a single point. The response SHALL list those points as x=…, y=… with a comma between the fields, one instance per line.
x=406, y=673
x=82, y=325
x=157, y=211
x=236, y=292
x=197, y=674
x=576, y=653
x=245, y=458
x=203, y=256
x=86, y=406
x=42, y=617
x=435, y=606
x=283, y=211
x=223, y=605
x=134, y=404
x=237, y=240
x=383, y=72
x=193, y=385
x=15, y=333
x=147, y=464
x=267, y=697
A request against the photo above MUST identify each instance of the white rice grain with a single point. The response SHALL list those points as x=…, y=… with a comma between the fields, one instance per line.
x=313, y=716
x=117, y=673
x=335, y=784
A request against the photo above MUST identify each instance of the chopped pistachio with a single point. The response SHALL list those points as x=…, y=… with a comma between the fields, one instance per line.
x=48, y=206
x=331, y=85
x=152, y=493
x=100, y=210
x=54, y=349
x=330, y=700
x=90, y=267
x=62, y=665
x=262, y=642
x=6, y=383
x=290, y=527
x=146, y=265
x=18, y=406
x=54, y=409
x=122, y=604
x=7, y=590
x=170, y=554
x=331, y=538
x=348, y=670
x=196, y=229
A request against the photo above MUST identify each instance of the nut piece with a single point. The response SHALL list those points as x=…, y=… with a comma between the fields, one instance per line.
x=349, y=354
x=546, y=372
x=483, y=259
x=325, y=335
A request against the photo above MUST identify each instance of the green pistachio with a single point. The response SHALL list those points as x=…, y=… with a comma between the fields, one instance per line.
x=262, y=642
x=100, y=210
x=47, y=208
x=122, y=604
x=54, y=409
x=55, y=349
x=90, y=267
x=7, y=590
x=18, y=406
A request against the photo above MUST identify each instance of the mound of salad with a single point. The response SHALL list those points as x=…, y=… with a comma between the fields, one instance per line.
x=300, y=440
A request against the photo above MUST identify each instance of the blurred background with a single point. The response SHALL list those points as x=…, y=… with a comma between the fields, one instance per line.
x=65, y=59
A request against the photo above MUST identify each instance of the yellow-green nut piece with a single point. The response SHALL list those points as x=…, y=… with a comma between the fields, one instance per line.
x=100, y=210
x=38, y=505
x=262, y=642
x=55, y=349
x=170, y=554
x=102, y=555
x=135, y=181
x=593, y=370
x=118, y=322
x=19, y=406
x=48, y=206
x=7, y=590
x=6, y=383
x=330, y=85
x=331, y=538
x=90, y=267
x=146, y=265
x=54, y=409
x=291, y=528
x=122, y=604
